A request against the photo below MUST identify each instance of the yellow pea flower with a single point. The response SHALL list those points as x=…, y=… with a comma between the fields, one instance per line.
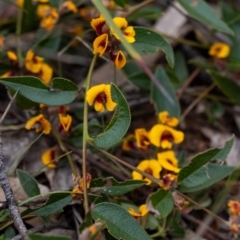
x=48, y=156
x=43, y=10
x=151, y=167
x=119, y=59
x=142, y=138
x=129, y=142
x=45, y=73
x=128, y=31
x=99, y=25
x=168, y=161
x=12, y=56
x=167, y=181
x=33, y=63
x=100, y=96
x=49, y=21
x=219, y=50
x=166, y=120
x=100, y=44
x=40, y=123
x=2, y=38
x=234, y=207
x=69, y=6
x=65, y=122
x=163, y=136
x=142, y=211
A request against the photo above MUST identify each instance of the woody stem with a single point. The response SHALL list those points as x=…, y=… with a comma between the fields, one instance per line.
x=86, y=136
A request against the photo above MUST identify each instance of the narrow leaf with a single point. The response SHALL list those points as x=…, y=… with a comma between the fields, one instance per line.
x=211, y=174
x=201, y=11
x=162, y=202
x=38, y=236
x=121, y=3
x=28, y=183
x=119, y=124
x=33, y=89
x=201, y=159
x=119, y=222
x=161, y=102
x=112, y=187
x=54, y=204
x=149, y=41
x=228, y=87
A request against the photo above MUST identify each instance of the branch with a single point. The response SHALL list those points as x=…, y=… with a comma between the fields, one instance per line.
x=11, y=201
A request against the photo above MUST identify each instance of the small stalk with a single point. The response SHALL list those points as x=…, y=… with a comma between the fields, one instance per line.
x=86, y=136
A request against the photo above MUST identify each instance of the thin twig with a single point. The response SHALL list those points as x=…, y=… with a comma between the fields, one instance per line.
x=188, y=81
x=195, y=220
x=11, y=201
x=137, y=7
x=197, y=100
x=8, y=107
x=43, y=227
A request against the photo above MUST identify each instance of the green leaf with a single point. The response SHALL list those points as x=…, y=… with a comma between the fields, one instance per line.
x=201, y=11
x=28, y=16
x=148, y=12
x=121, y=3
x=112, y=187
x=149, y=41
x=201, y=64
x=119, y=222
x=119, y=123
x=161, y=102
x=228, y=87
x=38, y=236
x=162, y=202
x=211, y=174
x=137, y=76
x=200, y=160
x=28, y=183
x=222, y=155
x=33, y=89
x=180, y=68
x=54, y=204
x=107, y=235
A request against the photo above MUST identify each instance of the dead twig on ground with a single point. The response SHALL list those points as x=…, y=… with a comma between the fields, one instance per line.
x=11, y=201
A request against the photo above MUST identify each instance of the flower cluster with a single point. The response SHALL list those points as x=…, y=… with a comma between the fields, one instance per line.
x=41, y=124
x=108, y=41
x=33, y=64
x=77, y=191
x=161, y=135
x=49, y=15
